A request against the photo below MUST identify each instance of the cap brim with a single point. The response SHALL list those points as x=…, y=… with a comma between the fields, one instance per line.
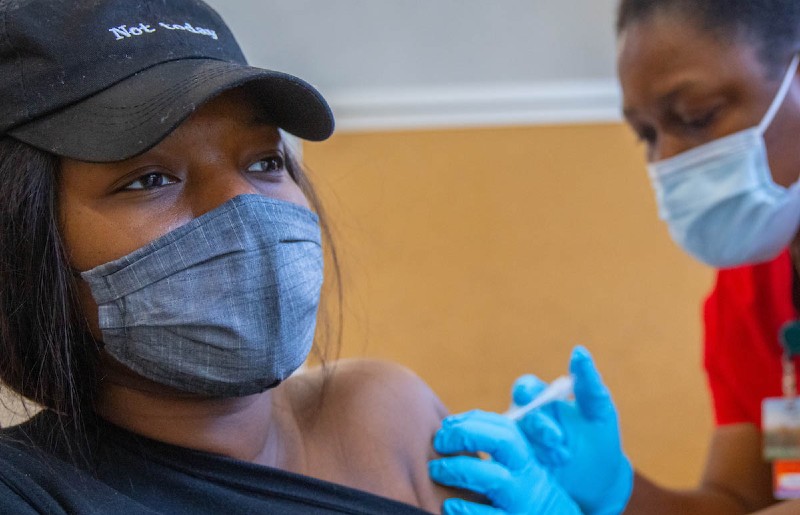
x=134, y=115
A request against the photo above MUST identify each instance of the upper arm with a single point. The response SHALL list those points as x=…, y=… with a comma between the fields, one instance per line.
x=401, y=414
x=418, y=422
x=735, y=466
x=735, y=480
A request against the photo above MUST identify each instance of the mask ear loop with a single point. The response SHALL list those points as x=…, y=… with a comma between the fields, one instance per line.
x=780, y=96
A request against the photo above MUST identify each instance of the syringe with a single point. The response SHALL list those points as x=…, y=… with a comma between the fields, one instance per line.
x=559, y=390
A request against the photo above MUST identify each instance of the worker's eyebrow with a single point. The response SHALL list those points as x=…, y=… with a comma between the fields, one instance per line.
x=664, y=100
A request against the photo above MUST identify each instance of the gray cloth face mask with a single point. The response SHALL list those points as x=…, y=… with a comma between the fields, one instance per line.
x=224, y=306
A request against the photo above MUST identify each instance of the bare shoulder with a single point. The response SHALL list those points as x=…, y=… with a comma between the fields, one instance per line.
x=383, y=417
x=390, y=391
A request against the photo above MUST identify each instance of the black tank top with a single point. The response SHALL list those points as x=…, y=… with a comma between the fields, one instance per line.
x=130, y=474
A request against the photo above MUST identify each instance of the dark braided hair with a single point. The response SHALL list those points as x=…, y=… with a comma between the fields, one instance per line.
x=772, y=25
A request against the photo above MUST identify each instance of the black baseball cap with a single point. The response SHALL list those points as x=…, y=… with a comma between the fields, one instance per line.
x=105, y=80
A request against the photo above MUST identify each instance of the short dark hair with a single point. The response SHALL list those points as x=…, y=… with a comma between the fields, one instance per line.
x=773, y=25
x=47, y=352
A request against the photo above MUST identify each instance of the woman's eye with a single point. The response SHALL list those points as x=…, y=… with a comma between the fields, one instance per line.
x=150, y=181
x=268, y=165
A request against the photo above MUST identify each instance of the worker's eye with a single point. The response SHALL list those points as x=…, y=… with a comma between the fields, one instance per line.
x=150, y=181
x=269, y=164
x=646, y=135
x=699, y=121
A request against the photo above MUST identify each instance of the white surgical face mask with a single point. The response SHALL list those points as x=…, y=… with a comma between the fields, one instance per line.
x=720, y=201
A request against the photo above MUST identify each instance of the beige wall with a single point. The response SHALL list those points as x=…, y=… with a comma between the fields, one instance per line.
x=474, y=256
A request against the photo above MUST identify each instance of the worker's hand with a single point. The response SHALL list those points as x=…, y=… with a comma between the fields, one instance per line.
x=513, y=481
x=579, y=441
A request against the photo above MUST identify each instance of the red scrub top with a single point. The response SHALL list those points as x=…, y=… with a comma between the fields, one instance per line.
x=743, y=316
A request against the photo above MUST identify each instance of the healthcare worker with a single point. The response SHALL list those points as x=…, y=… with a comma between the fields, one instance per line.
x=711, y=88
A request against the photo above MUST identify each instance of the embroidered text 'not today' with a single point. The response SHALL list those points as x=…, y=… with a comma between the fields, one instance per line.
x=125, y=32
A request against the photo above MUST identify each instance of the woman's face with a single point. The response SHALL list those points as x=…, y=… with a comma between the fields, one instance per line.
x=108, y=210
x=683, y=87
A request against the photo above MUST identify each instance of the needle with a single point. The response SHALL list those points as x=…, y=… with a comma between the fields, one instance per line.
x=558, y=390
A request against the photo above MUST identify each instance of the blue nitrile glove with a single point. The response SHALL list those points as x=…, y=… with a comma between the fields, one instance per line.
x=579, y=441
x=512, y=480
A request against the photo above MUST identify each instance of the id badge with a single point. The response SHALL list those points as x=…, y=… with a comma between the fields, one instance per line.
x=781, y=430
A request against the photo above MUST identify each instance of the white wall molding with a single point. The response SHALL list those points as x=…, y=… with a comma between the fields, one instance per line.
x=491, y=105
